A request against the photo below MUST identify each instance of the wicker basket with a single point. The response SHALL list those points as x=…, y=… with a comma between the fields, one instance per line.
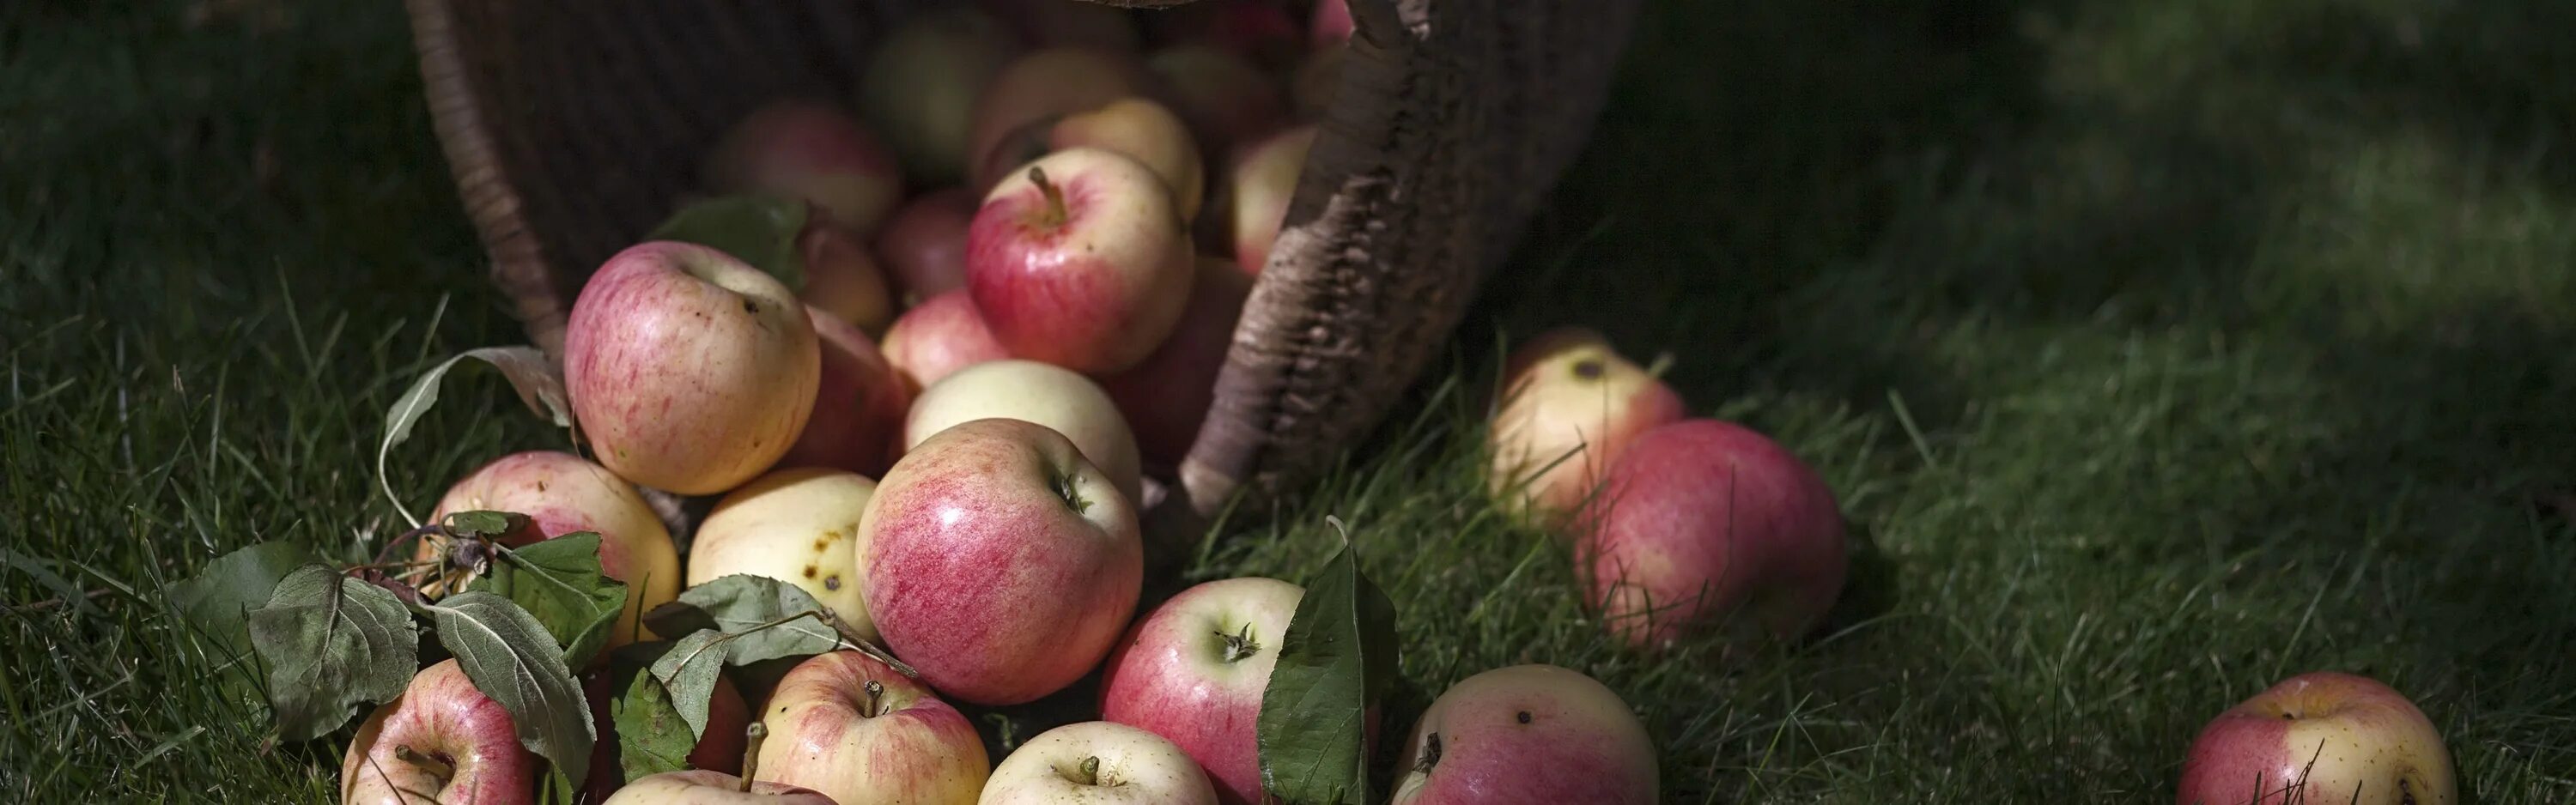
x=571, y=125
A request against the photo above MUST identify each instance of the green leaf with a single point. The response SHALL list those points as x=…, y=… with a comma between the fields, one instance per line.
x=332, y=643
x=689, y=672
x=760, y=613
x=539, y=383
x=219, y=598
x=481, y=523
x=1336, y=661
x=651, y=736
x=511, y=659
x=760, y=230
x=559, y=582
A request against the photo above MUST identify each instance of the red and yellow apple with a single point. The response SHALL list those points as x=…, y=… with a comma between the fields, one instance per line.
x=1571, y=403
x=859, y=404
x=799, y=526
x=842, y=278
x=709, y=787
x=1527, y=734
x=941, y=335
x=862, y=733
x=924, y=245
x=1078, y=260
x=1048, y=84
x=1259, y=187
x=442, y=740
x=1137, y=128
x=562, y=493
x=2320, y=737
x=1193, y=672
x=920, y=85
x=814, y=151
x=1036, y=392
x=1098, y=762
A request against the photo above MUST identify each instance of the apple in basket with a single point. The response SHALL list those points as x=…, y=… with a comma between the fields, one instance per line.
x=1078, y=260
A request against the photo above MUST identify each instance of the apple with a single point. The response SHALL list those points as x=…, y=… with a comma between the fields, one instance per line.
x=719, y=748
x=1048, y=84
x=1193, y=671
x=999, y=562
x=1098, y=761
x=813, y=151
x=859, y=403
x=2320, y=737
x=842, y=278
x=1052, y=23
x=799, y=526
x=690, y=371
x=1702, y=521
x=1167, y=397
x=924, y=244
x=1331, y=26
x=1260, y=186
x=920, y=86
x=1137, y=128
x=1226, y=98
x=1079, y=260
x=862, y=733
x=941, y=335
x=1570, y=404
x=440, y=739
x=1033, y=392
x=1527, y=734
x=707, y=787
x=562, y=493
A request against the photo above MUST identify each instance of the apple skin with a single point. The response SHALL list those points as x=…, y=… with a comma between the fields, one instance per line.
x=1048, y=84
x=1137, y=128
x=1570, y=405
x=910, y=748
x=1331, y=26
x=799, y=526
x=2320, y=737
x=564, y=493
x=1702, y=522
x=1088, y=270
x=1527, y=734
x=1260, y=186
x=842, y=278
x=1135, y=766
x=1166, y=398
x=941, y=335
x=1056, y=23
x=719, y=747
x=1000, y=563
x=1030, y=391
x=921, y=83
x=1179, y=674
x=1226, y=99
x=924, y=244
x=859, y=403
x=814, y=151
x=709, y=787
x=690, y=371
x=440, y=715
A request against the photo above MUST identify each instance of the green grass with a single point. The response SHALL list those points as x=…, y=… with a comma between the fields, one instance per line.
x=2157, y=351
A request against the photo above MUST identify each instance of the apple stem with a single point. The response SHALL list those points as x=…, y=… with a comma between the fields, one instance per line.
x=1663, y=362
x=437, y=768
x=1090, y=770
x=1240, y=645
x=751, y=738
x=1055, y=212
x=876, y=699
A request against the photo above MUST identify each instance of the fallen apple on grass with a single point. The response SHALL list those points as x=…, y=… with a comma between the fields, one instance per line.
x=799, y=526
x=442, y=740
x=1259, y=187
x=2321, y=737
x=1703, y=523
x=1036, y=392
x=936, y=338
x=1078, y=260
x=1570, y=405
x=1193, y=672
x=921, y=83
x=1166, y=398
x=1136, y=128
x=813, y=151
x=1098, y=762
x=999, y=562
x=857, y=730
x=562, y=493
x=924, y=245
x=1527, y=734
x=690, y=371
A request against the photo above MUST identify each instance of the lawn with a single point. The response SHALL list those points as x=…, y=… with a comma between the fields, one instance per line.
x=2156, y=351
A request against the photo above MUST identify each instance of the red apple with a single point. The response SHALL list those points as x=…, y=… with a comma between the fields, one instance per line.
x=924, y=245
x=1263, y=181
x=1079, y=260
x=799, y=526
x=1702, y=522
x=2320, y=737
x=842, y=278
x=1098, y=762
x=1136, y=128
x=1029, y=391
x=1056, y=23
x=1048, y=84
x=938, y=337
x=1167, y=397
x=563, y=494
x=690, y=371
x=999, y=562
x=1193, y=672
x=719, y=748
x=859, y=403
x=1331, y=26
x=853, y=728
x=706, y=787
x=441, y=739
x=1570, y=404
x=1226, y=98
x=813, y=151
x=1527, y=734
x=920, y=85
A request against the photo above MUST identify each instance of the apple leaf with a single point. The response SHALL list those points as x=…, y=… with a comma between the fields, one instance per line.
x=760, y=616
x=688, y=674
x=219, y=598
x=332, y=643
x=651, y=736
x=559, y=582
x=489, y=524
x=759, y=230
x=511, y=659
x=539, y=383
x=1336, y=661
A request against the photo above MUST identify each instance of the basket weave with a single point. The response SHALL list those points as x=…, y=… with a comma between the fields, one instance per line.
x=574, y=126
